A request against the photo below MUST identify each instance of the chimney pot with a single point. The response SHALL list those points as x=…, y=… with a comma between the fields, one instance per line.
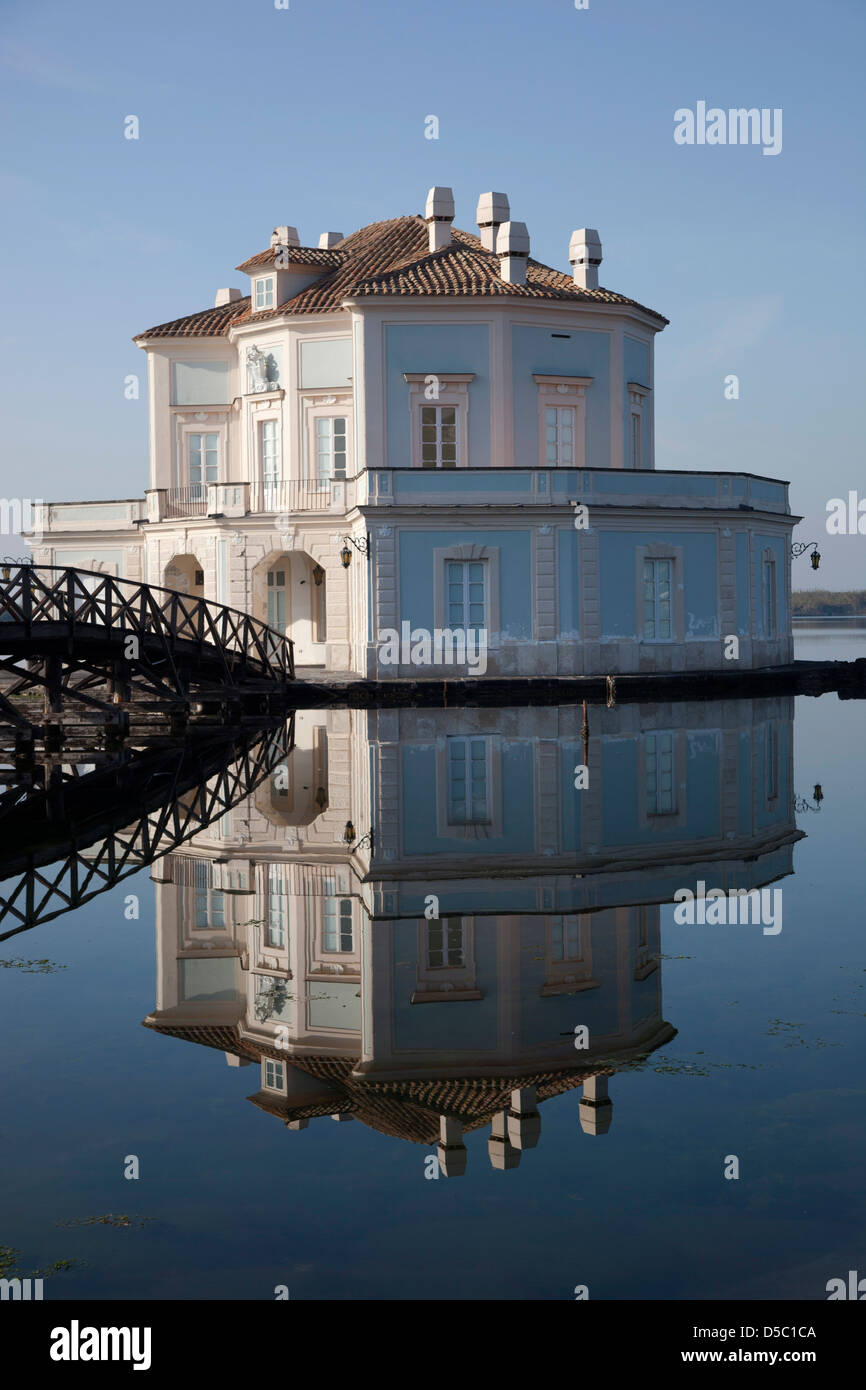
x=493, y=209
x=439, y=214
x=329, y=239
x=227, y=296
x=285, y=236
x=584, y=254
x=512, y=248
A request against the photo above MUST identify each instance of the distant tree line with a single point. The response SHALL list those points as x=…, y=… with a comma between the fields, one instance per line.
x=827, y=604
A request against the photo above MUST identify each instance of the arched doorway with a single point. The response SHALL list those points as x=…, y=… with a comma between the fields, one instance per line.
x=289, y=594
x=185, y=574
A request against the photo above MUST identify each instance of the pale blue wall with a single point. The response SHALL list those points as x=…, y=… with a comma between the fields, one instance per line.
x=617, y=580
x=623, y=794
x=431, y=348
x=582, y=354
x=466, y=1024
x=514, y=790
x=515, y=585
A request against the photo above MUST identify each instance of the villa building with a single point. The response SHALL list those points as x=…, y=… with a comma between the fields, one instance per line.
x=420, y=433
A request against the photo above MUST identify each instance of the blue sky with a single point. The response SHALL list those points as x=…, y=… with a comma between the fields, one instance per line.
x=314, y=116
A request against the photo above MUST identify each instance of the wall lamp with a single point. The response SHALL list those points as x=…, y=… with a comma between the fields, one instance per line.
x=349, y=838
x=361, y=544
x=801, y=803
x=800, y=547
x=318, y=575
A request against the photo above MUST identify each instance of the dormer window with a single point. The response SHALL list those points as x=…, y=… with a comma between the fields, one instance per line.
x=264, y=296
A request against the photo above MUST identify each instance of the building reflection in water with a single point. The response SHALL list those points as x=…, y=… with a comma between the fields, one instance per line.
x=325, y=966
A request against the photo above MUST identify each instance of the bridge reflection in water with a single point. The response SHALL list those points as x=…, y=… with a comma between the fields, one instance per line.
x=298, y=933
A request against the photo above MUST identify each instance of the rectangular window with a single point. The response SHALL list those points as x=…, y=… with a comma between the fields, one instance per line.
x=210, y=910
x=439, y=436
x=565, y=938
x=270, y=454
x=467, y=598
x=635, y=441
x=446, y=944
x=331, y=450
x=277, y=600
x=660, y=798
x=203, y=462
x=274, y=1076
x=770, y=597
x=339, y=930
x=559, y=435
x=468, y=781
x=276, y=927
x=657, y=600
x=264, y=293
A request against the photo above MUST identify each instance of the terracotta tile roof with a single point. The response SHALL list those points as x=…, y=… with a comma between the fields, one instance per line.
x=208, y=323
x=392, y=258
x=296, y=255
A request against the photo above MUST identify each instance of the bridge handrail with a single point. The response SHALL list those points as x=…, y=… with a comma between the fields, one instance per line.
x=139, y=607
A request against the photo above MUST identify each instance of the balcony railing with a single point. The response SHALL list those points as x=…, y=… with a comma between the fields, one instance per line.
x=299, y=495
x=184, y=501
x=283, y=497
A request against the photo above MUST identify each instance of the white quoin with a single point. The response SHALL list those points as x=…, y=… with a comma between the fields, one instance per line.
x=584, y=254
x=285, y=236
x=439, y=214
x=512, y=248
x=329, y=239
x=226, y=296
x=493, y=209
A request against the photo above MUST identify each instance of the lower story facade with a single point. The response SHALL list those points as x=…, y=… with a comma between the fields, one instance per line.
x=435, y=580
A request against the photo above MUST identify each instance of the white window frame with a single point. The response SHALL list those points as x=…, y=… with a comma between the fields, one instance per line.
x=678, y=816
x=556, y=393
x=769, y=596
x=186, y=426
x=202, y=485
x=466, y=581
x=441, y=559
x=491, y=827
x=438, y=984
x=334, y=405
x=278, y=904
x=340, y=900
x=439, y=389
x=264, y=293
x=660, y=550
x=325, y=479
x=271, y=1067
x=568, y=974
x=638, y=401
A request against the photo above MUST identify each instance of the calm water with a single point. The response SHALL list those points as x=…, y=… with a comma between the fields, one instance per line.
x=751, y=1042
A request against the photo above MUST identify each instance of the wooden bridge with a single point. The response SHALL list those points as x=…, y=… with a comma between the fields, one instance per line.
x=106, y=642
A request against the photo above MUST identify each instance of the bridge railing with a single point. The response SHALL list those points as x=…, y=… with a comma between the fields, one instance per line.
x=75, y=599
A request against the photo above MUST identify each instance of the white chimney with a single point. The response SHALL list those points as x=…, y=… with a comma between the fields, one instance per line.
x=491, y=212
x=329, y=239
x=512, y=248
x=584, y=253
x=285, y=236
x=439, y=214
x=226, y=297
